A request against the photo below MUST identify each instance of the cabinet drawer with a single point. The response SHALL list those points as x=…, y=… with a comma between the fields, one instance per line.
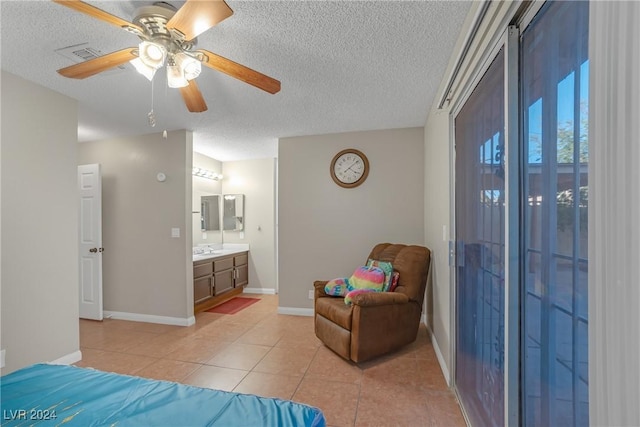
x=223, y=264
x=202, y=270
x=240, y=259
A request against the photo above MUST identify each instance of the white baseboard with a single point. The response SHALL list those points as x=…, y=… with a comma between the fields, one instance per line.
x=150, y=318
x=440, y=357
x=261, y=291
x=68, y=359
x=294, y=311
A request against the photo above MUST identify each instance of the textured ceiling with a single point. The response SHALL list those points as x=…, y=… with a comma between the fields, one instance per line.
x=344, y=66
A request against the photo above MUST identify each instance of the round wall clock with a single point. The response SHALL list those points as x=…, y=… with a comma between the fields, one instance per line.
x=349, y=168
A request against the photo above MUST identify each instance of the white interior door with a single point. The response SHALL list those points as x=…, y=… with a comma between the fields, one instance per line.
x=90, y=240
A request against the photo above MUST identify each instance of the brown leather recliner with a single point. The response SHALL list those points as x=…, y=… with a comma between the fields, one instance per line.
x=377, y=322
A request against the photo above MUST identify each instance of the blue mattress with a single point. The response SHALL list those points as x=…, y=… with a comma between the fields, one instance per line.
x=71, y=396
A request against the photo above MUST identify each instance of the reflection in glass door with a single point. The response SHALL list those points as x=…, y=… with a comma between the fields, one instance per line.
x=480, y=239
x=555, y=76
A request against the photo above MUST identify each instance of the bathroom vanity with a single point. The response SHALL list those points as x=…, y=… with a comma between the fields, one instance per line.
x=219, y=274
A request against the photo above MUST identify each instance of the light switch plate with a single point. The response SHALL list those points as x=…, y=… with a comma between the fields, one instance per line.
x=310, y=294
x=175, y=232
x=2, y=356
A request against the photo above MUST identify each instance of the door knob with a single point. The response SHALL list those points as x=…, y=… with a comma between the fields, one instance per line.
x=93, y=250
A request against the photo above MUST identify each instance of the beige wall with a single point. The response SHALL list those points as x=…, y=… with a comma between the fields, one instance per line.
x=437, y=216
x=326, y=231
x=145, y=269
x=39, y=224
x=204, y=187
x=256, y=180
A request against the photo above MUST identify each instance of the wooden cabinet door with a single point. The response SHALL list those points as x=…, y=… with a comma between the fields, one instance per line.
x=223, y=281
x=202, y=289
x=242, y=275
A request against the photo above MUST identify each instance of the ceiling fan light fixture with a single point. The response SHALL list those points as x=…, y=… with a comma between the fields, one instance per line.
x=152, y=54
x=191, y=67
x=175, y=77
x=167, y=37
x=143, y=68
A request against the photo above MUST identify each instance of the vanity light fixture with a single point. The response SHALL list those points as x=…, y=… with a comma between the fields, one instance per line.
x=206, y=174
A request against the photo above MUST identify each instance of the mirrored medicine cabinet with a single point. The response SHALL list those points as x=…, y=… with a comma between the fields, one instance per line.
x=210, y=213
x=233, y=212
x=230, y=205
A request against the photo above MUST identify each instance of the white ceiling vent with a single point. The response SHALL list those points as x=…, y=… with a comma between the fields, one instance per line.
x=83, y=52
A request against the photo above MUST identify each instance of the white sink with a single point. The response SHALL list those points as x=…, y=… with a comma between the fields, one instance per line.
x=213, y=253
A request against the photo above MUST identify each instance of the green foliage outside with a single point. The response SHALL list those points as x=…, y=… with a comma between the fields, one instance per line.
x=565, y=155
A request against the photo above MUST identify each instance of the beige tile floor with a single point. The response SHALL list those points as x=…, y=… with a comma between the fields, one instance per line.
x=261, y=352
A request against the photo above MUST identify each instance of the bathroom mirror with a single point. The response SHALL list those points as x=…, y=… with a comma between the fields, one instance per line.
x=210, y=213
x=233, y=212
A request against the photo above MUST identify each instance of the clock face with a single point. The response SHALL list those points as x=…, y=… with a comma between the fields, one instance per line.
x=349, y=168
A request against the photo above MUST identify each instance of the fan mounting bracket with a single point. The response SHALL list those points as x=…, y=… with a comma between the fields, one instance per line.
x=153, y=19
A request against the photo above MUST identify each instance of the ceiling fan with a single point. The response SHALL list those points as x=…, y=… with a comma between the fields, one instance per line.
x=169, y=37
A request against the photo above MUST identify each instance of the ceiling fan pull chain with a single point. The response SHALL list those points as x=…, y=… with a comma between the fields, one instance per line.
x=152, y=115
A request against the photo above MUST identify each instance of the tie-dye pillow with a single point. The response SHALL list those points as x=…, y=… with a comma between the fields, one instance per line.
x=367, y=277
x=337, y=287
x=388, y=272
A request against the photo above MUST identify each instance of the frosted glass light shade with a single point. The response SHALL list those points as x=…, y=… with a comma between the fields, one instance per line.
x=152, y=54
x=191, y=67
x=175, y=77
x=143, y=69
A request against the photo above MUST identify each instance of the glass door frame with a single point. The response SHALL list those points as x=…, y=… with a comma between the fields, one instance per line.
x=509, y=41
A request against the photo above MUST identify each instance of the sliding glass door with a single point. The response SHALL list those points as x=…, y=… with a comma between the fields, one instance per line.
x=480, y=237
x=546, y=208
x=555, y=83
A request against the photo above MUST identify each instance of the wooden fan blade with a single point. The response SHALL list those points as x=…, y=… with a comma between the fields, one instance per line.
x=100, y=14
x=193, y=97
x=197, y=16
x=240, y=72
x=99, y=64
